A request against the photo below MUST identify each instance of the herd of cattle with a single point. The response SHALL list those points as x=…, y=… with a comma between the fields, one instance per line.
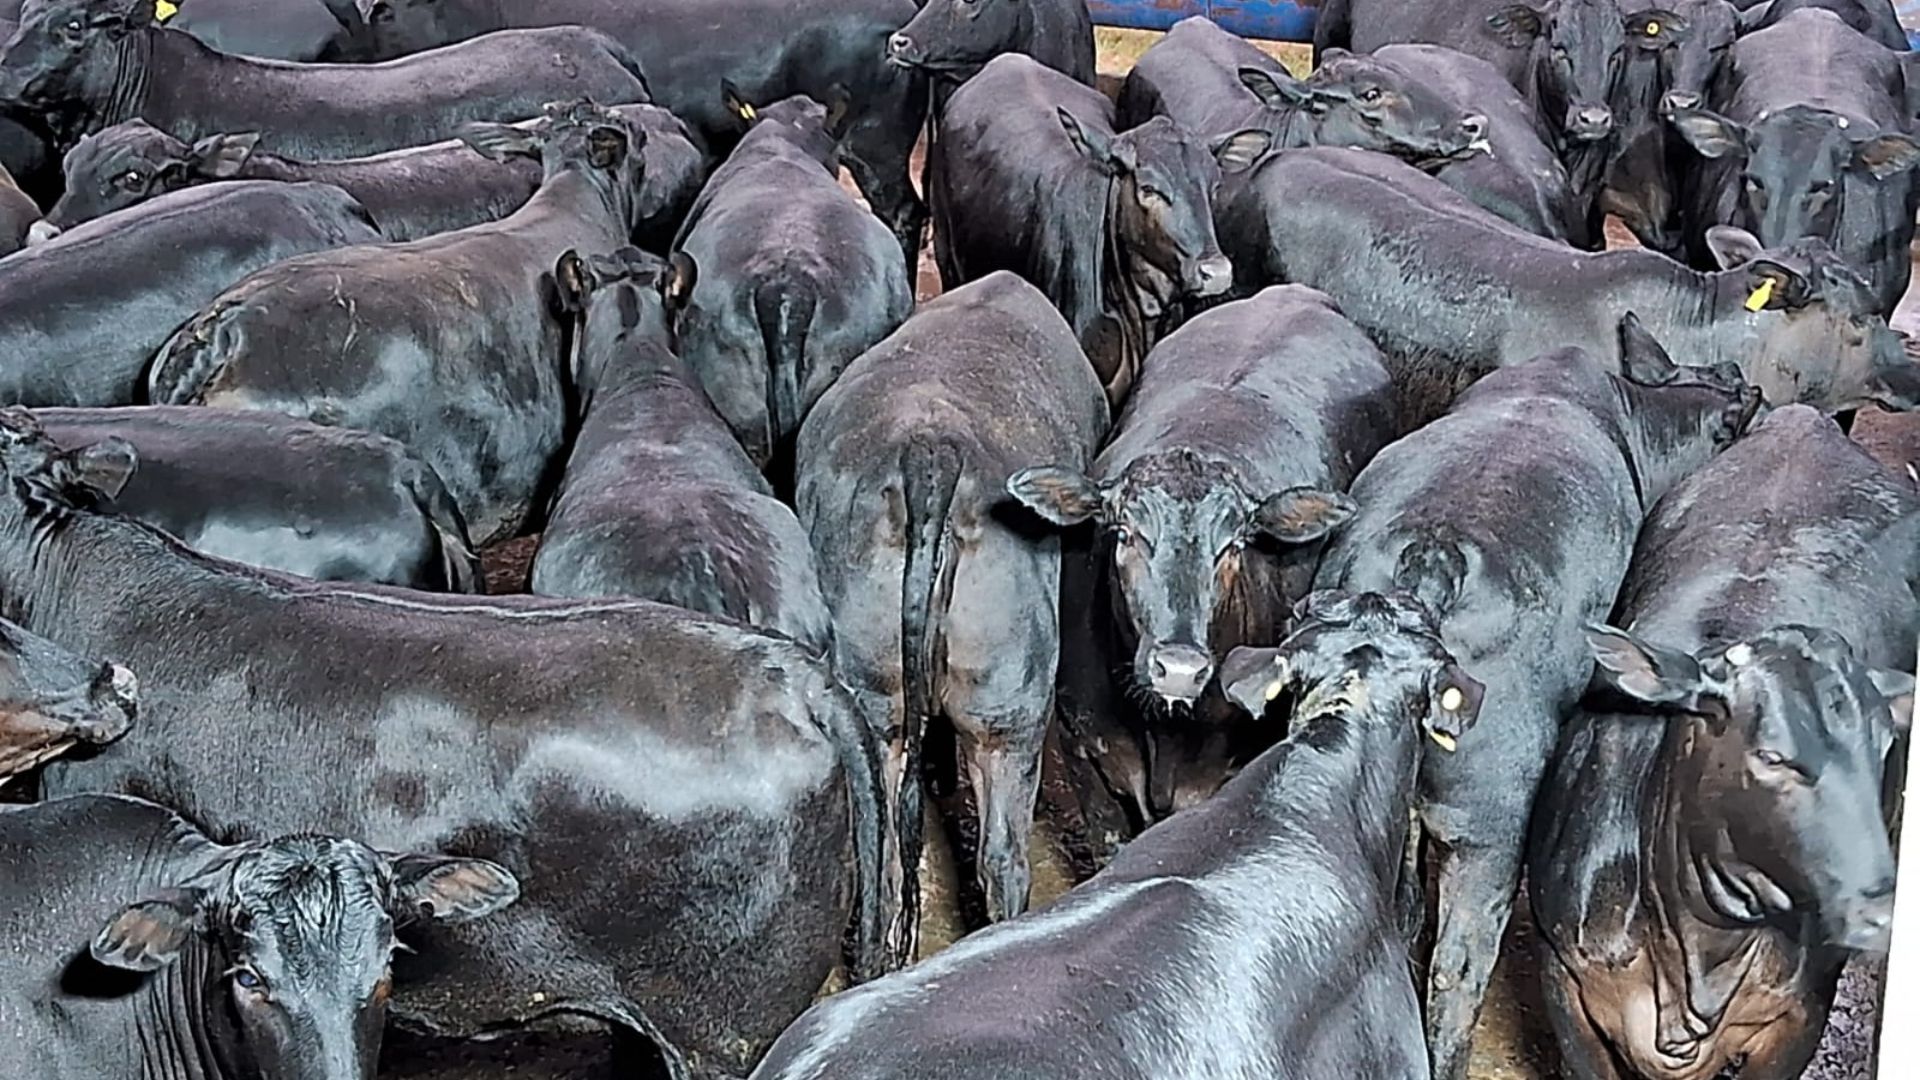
x=1285, y=450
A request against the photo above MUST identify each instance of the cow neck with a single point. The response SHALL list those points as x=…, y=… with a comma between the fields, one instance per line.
x=1118, y=298
x=132, y=74
x=1680, y=306
x=1367, y=759
x=170, y=1020
x=1626, y=429
x=1701, y=954
x=1291, y=135
x=574, y=190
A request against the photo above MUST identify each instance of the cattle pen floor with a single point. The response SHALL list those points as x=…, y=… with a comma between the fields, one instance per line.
x=1512, y=1041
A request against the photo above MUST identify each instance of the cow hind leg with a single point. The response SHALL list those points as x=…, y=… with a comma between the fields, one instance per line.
x=1003, y=763
x=1476, y=891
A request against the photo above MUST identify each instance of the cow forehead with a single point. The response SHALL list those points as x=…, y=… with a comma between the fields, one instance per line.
x=308, y=909
x=1819, y=704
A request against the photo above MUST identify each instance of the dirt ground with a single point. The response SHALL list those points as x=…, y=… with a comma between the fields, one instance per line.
x=1513, y=1041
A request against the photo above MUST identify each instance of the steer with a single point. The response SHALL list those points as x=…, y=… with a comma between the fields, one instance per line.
x=1808, y=137
x=769, y=49
x=943, y=604
x=1709, y=844
x=52, y=701
x=94, y=63
x=411, y=193
x=796, y=278
x=1028, y=175
x=139, y=946
x=1211, y=83
x=1450, y=292
x=1214, y=945
x=694, y=807
x=81, y=315
x=954, y=39
x=1877, y=19
x=659, y=501
x=452, y=344
x=304, y=31
x=1576, y=457
x=269, y=491
x=1222, y=477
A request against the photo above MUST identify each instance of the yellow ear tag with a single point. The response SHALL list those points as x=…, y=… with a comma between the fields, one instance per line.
x=746, y=112
x=164, y=10
x=1762, y=293
x=1445, y=741
x=1653, y=29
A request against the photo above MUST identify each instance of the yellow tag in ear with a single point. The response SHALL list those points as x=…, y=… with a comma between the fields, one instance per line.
x=1445, y=741
x=1451, y=699
x=1653, y=29
x=164, y=10
x=746, y=112
x=1762, y=293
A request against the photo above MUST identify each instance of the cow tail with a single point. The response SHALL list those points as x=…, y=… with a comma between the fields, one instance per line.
x=930, y=474
x=785, y=314
x=1432, y=570
x=863, y=759
x=193, y=357
x=459, y=566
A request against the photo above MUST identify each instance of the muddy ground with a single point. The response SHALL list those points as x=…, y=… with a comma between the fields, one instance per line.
x=1513, y=1041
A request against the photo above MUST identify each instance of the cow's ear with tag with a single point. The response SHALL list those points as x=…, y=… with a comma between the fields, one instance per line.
x=736, y=103
x=149, y=934
x=677, y=280
x=574, y=280
x=1252, y=678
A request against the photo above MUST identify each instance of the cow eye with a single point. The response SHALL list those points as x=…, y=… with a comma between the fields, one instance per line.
x=1820, y=187
x=1370, y=95
x=248, y=979
x=74, y=28
x=131, y=179
x=1122, y=535
x=1154, y=195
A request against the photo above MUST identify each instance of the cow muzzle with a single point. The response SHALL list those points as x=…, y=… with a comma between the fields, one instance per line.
x=1865, y=924
x=41, y=231
x=1589, y=123
x=1178, y=673
x=1211, y=276
x=1673, y=101
x=903, y=51
x=114, y=696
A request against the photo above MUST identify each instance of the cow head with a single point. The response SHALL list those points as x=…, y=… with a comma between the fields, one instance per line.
x=574, y=136
x=72, y=55
x=289, y=945
x=132, y=162
x=799, y=120
x=1366, y=656
x=1685, y=42
x=625, y=297
x=1178, y=526
x=1794, y=164
x=1781, y=742
x=1810, y=328
x=1161, y=204
x=958, y=37
x=1359, y=102
x=383, y=29
x=1577, y=46
x=1680, y=416
x=52, y=701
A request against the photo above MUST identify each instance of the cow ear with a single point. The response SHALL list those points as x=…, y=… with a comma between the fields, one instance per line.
x=839, y=110
x=1642, y=359
x=575, y=281
x=1733, y=246
x=1251, y=678
x=99, y=471
x=498, y=142
x=1515, y=25
x=607, y=147
x=1897, y=688
x=370, y=9
x=149, y=934
x=1096, y=146
x=677, y=280
x=736, y=103
x=448, y=889
x=1236, y=152
x=1885, y=156
x=1063, y=496
x=1454, y=705
x=1276, y=91
x=1645, y=672
x=346, y=13
x=1302, y=514
x=219, y=157
x=1710, y=134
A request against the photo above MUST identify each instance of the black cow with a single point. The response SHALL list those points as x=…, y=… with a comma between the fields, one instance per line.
x=453, y=344
x=1028, y=175
x=259, y=488
x=1213, y=83
x=1709, y=843
x=52, y=701
x=1451, y=292
x=139, y=946
x=1876, y=19
x=768, y=49
x=694, y=807
x=1808, y=136
x=659, y=501
x=943, y=605
x=1213, y=944
x=26, y=146
x=796, y=278
x=1223, y=474
x=411, y=193
x=18, y=212
x=955, y=38
x=1513, y=518
x=81, y=315
x=93, y=63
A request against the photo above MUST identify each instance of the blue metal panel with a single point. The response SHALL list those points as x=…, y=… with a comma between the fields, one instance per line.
x=1279, y=20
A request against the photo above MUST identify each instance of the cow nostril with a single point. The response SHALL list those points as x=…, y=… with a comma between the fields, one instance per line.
x=1474, y=126
x=899, y=44
x=1675, y=100
x=1596, y=116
